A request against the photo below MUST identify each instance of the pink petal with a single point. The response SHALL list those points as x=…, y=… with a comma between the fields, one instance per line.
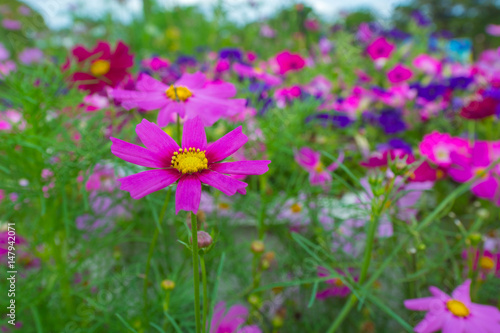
x=332, y=167
x=226, y=146
x=156, y=140
x=419, y=304
x=453, y=325
x=192, y=81
x=188, y=194
x=138, y=99
x=147, y=83
x=137, y=154
x=432, y=322
x=193, y=135
x=147, y=182
x=439, y=294
x=225, y=184
x=462, y=292
x=165, y=116
x=241, y=167
x=220, y=90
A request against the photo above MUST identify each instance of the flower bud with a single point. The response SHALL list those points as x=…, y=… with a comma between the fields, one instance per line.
x=277, y=322
x=483, y=213
x=257, y=246
x=168, y=284
x=204, y=239
x=254, y=300
x=475, y=239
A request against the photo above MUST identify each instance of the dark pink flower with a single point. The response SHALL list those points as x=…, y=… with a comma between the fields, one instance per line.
x=100, y=67
x=231, y=321
x=190, y=96
x=289, y=62
x=380, y=48
x=336, y=288
x=399, y=73
x=192, y=164
x=310, y=160
x=455, y=313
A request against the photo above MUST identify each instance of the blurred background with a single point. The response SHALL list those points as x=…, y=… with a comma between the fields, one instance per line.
x=236, y=20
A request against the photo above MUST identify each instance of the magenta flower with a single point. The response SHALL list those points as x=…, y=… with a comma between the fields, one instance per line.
x=289, y=62
x=192, y=164
x=4, y=53
x=257, y=73
x=100, y=67
x=464, y=168
x=488, y=262
x=232, y=321
x=493, y=29
x=191, y=96
x=11, y=24
x=399, y=73
x=427, y=64
x=310, y=160
x=155, y=63
x=454, y=314
x=336, y=287
x=380, y=48
x=438, y=147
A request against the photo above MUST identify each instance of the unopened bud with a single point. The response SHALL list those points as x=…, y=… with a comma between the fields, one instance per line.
x=168, y=284
x=483, y=213
x=202, y=217
x=475, y=239
x=254, y=300
x=277, y=322
x=265, y=264
x=204, y=239
x=257, y=246
x=421, y=247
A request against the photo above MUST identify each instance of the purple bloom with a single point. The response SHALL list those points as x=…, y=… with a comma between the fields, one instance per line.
x=30, y=56
x=391, y=121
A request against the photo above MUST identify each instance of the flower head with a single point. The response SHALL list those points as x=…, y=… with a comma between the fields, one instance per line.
x=100, y=67
x=231, y=321
x=310, y=160
x=191, y=164
x=190, y=96
x=380, y=48
x=289, y=62
x=455, y=313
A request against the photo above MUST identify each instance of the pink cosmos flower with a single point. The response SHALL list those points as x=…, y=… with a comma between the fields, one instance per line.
x=4, y=53
x=7, y=67
x=437, y=147
x=100, y=66
x=380, y=48
x=10, y=119
x=336, y=287
x=289, y=62
x=257, y=73
x=94, y=102
x=192, y=164
x=232, y=320
x=310, y=160
x=464, y=168
x=454, y=314
x=488, y=262
x=399, y=73
x=428, y=64
x=155, y=63
x=267, y=31
x=191, y=96
x=286, y=95
x=31, y=56
x=493, y=29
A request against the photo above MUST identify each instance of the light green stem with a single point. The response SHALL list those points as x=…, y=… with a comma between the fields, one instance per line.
x=179, y=134
x=196, y=272
x=205, y=292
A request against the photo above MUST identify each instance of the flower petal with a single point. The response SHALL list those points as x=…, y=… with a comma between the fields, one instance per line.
x=225, y=184
x=188, y=194
x=241, y=167
x=192, y=81
x=462, y=292
x=419, y=304
x=226, y=146
x=147, y=182
x=194, y=135
x=165, y=116
x=137, y=155
x=156, y=140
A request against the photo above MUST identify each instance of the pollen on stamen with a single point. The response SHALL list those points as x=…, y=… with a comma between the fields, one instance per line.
x=189, y=160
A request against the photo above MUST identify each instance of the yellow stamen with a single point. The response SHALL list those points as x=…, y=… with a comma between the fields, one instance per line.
x=223, y=205
x=178, y=93
x=319, y=167
x=189, y=160
x=486, y=263
x=100, y=67
x=480, y=172
x=457, y=308
x=296, y=208
x=338, y=282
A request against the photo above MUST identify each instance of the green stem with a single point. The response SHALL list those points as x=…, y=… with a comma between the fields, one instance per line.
x=205, y=292
x=150, y=254
x=196, y=272
x=179, y=134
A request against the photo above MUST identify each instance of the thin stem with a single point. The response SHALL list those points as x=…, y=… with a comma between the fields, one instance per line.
x=196, y=272
x=151, y=251
x=179, y=134
x=205, y=292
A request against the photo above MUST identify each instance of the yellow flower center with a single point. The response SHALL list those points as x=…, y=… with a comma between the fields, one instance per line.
x=480, y=172
x=319, y=167
x=439, y=174
x=224, y=205
x=296, y=208
x=338, y=282
x=189, y=160
x=178, y=93
x=486, y=263
x=100, y=67
x=457, y=308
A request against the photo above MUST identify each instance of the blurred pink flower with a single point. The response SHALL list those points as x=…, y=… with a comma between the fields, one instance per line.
x=310, y=160
x=232, y=320
x=380, y=48
x=289, y=62
x=428, y=64
x=30, y=56
x=11, y=24
x=399, y=73
x=493, y=29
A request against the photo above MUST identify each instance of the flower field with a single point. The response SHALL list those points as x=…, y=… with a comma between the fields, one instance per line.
x=182, y=172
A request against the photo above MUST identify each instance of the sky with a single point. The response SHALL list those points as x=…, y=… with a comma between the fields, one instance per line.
x=57, y=13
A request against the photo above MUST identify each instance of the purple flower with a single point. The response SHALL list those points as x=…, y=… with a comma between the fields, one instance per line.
x=391, y=121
